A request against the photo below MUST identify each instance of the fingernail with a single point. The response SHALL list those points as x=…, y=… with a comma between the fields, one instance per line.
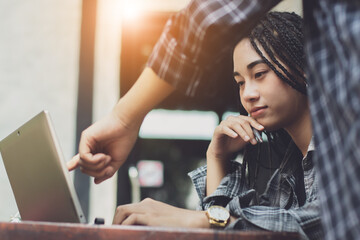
x=261, y=126
x=247, y=138
x=253, y=141
x=108, y=173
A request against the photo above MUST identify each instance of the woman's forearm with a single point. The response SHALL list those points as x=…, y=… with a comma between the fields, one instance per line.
x=216, y=171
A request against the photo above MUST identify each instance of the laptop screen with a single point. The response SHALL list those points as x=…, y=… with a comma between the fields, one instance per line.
x=38, y=175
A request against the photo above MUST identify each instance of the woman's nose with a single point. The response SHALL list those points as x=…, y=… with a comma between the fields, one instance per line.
x=250, y=92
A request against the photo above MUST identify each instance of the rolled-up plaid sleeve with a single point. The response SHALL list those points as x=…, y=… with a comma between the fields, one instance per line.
x=201, y=35
x=229, y=188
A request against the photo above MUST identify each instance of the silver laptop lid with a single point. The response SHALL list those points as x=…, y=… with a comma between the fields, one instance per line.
x=38, y=175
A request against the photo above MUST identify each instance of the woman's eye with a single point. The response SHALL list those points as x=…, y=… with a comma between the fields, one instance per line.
x=260, y=74
x=241, y=83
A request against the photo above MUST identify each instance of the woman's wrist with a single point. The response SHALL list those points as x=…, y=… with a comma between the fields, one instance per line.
x=217, y=158
x=200, y=221
x=217, y=168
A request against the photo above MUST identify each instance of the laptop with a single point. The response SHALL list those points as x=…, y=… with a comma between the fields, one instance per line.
x=38, y=175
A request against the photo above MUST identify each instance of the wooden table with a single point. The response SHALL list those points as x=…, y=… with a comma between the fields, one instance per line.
x=57, y=231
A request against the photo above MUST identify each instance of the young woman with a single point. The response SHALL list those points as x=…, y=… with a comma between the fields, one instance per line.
x=269, y=70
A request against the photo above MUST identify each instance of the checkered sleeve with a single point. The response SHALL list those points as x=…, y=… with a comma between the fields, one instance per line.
x=230, y=186
x=304, y=220
x=198, y=37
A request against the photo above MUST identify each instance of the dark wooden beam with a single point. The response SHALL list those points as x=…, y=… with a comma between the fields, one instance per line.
x=85, y=91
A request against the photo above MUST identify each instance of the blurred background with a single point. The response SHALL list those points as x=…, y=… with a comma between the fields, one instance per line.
x=75, y=59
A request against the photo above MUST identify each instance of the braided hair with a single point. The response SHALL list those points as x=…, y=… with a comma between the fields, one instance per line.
x=280, y=36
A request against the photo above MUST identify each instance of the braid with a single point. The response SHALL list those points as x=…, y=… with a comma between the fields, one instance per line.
x=290, y=32
x=280, y=35
x=271, y=55
x=296, y=40
x=296, y=55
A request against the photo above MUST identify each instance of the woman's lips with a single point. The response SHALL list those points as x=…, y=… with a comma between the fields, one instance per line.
x=257, y=111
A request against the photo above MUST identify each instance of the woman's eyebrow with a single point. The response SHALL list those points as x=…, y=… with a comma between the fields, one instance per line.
x=250, y=66
x=235, y=74
x=253, y=64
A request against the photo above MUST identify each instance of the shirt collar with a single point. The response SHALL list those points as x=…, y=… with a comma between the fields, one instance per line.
x=311, y=146
x=307, y=160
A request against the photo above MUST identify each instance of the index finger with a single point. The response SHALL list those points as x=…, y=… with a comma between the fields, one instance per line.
x=85, y=150
x=255, y=124
x=85, y=147
x=73, y=163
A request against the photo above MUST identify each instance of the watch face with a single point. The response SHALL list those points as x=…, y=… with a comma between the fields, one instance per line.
x=219, y=213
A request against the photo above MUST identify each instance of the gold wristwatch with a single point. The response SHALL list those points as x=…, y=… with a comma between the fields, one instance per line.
x=218, y=216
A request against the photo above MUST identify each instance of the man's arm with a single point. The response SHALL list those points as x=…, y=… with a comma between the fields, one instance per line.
x=105, y=145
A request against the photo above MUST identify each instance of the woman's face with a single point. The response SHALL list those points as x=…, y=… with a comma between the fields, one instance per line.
x=267, y=99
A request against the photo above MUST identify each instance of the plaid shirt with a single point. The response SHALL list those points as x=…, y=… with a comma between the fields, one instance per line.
x=333, y=53
x=196, y=39
x=280, y=209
